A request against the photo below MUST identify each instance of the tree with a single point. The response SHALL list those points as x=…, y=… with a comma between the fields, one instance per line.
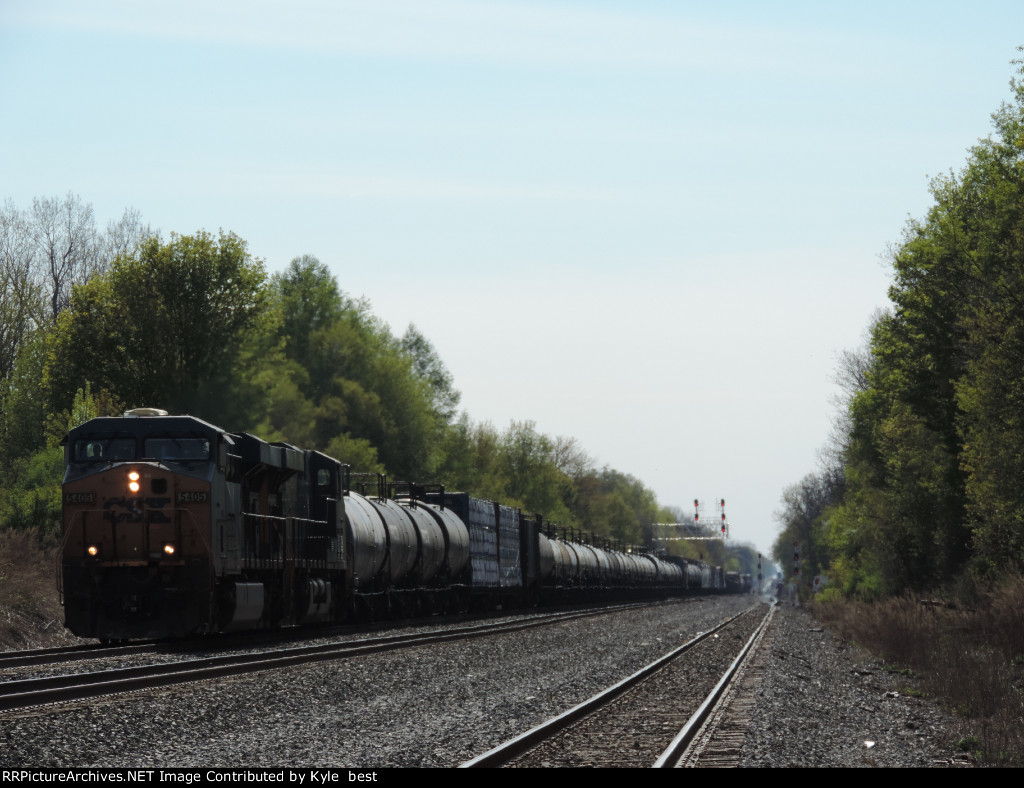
x=122, y=238
x=64, y=234
x=309, y=299
x=348, y=385
x=23, y=401
x=184, y=325
x=30, y=497
x=44, y=252
x=935, y=441
x=803, y=520
x=428, y=365
x=21, y=301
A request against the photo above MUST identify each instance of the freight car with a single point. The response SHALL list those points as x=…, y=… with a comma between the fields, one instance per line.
x=173, y=527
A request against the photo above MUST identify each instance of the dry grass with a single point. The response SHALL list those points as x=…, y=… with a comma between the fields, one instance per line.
x=971, y=658
x=30, y=612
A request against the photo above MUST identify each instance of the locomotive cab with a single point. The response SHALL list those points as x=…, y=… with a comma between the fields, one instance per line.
x=138, y=497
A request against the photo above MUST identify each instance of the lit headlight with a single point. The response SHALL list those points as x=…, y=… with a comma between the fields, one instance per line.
x=133, y=481
x=93, y=550
x=169, y=549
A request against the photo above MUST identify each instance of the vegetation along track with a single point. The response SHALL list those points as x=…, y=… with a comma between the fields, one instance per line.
x=647, y=719
x=19, y=693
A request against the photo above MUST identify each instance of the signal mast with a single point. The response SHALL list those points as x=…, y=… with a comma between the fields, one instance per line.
x=704, y=526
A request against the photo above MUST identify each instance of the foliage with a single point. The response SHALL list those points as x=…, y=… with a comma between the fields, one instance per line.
x=933, y=450
x=346, y=385
x=181, y=325
x=31, y=496
x=30, y=499
x=804, y=521
x=429, y=367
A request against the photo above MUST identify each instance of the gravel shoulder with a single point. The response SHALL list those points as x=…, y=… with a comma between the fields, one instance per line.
x=825, y=703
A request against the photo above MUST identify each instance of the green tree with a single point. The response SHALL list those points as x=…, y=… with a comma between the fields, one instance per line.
x=804, y=521
x=30, y=497
x=23, y=404
x=347, y=385
x=183, y=325
x=935, y=438
x=429, y=367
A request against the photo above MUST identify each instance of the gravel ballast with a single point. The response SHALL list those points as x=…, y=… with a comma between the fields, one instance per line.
x=441, y=705
x=430, y=706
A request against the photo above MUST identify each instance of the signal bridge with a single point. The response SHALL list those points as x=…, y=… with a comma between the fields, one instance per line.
x=703, y=526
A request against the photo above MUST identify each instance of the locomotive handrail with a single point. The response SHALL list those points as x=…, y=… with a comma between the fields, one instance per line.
x=291, y=542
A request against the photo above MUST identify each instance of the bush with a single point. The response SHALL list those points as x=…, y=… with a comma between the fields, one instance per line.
x=971, y=657
x=30, y=611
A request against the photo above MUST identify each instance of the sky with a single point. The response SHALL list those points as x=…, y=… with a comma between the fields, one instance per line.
x=650, y=225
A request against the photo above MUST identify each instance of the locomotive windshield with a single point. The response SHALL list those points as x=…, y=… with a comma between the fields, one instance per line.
x=177, y=449
x=104, y=450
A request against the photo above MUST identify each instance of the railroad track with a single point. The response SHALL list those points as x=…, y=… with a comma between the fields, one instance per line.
x=21, y=693
x=49, y=656
x=24, y=658
x=647, y=719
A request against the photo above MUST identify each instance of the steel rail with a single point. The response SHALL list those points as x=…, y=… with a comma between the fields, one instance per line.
x=672, y=754
x=87, y=651
x=20, y=693
x=504, y=753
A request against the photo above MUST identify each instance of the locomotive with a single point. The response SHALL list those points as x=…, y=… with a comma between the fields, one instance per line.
x=175, y=527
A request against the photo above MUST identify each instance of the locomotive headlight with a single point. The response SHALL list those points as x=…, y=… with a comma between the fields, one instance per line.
x=133, y=481
x=169, y=549
x=93, y=550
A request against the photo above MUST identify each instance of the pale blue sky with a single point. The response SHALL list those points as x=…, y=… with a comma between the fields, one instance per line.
x=648, y=225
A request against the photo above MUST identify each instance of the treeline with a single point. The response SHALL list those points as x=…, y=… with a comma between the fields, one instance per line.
x=93, y=323
x=926, y=480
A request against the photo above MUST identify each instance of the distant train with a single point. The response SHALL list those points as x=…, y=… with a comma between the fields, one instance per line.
x=175, y=527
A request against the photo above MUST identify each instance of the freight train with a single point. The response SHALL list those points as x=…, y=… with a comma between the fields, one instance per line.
x=175, y=527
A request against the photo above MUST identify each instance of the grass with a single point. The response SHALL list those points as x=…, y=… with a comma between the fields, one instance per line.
x=969, y=657
x=30, y=611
